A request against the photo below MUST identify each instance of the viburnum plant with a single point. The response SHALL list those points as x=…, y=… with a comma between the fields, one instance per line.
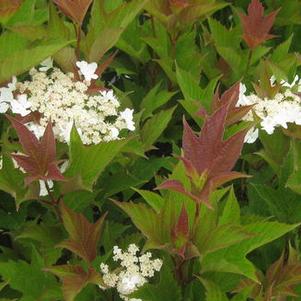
x=150, y=150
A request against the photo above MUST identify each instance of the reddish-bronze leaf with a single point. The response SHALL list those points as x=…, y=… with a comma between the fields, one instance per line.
x=180, y=233
x=216, y=181
x=208, y=158
x=203, y=149
x=74, y=9
x=84, y=236
x=39, y=159
x=179, y=3
x=9, y=7
x=256, y=26
x=227, y=154
x=31, y=117
x=230, y=98
x=74, y=279
x=177, y=187
x=182, y=226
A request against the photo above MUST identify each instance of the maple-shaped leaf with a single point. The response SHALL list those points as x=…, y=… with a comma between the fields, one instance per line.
x=74, y=9
x=74, y=279
x=230, y=97
x=256, y=26
x=208, y=158
x=280, y=281
x=39, y=159
x=84, y=236
x=180, y=233
x=208, y=151
x=283, y=276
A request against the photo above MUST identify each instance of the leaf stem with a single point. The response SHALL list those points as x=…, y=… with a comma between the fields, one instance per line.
x=78, y=36
x=54, y=201
x=250, y=55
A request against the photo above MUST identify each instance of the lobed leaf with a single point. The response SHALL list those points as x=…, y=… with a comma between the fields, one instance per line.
x=83, y=236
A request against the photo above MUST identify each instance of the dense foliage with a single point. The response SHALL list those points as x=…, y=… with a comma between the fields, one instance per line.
x=150, y=150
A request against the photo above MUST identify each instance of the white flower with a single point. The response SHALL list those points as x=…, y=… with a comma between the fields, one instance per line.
x=46, y=65
x=64, y=100
x=243, y=99
x=43, y=189
x=87, y=70
x=268, y=125
x=12, y=85
x=128, y=283
x=3, y=107
x=37, y=129
x=133, y=272
x=284, y=108
x=65, y=131
x=114, y=133
x=252, y=135
x=21, y=105
x=127, y=116
x=64, y=166
x=6, y=95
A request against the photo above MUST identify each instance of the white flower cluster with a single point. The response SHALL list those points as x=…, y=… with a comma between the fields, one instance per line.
x=65, y=101
x=132, y=273
x=279, y=111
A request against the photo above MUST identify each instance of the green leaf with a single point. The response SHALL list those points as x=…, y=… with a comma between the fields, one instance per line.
x=278, y=201
x=45, y=237
x=234, y=58
x=224, y=37
x=294, y=182
x=138, y=173
x=153, y=199
x=29, y=279
x=221, y=237
x=154, y=127
x=57, y=29
x=11, y=42
x=21, y=61
x=208, y=217
x=161, y=43
x=129, y=43
x=12, y=181
x=281, y=51
x=24, y=14
x=154, y=99
x=188, y=55
x=46, y=234
x=166, y=289
x=276, y=147
x=106, y=28
x=105, y=41
x=88, y=162
x=156, y=227
x=231, y=211
x=213, y=291
x=152, y=227
x=189, y=85
x=111, y=233
x=233, y=259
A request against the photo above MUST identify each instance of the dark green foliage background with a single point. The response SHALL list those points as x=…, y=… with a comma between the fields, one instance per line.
x=163, y=71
